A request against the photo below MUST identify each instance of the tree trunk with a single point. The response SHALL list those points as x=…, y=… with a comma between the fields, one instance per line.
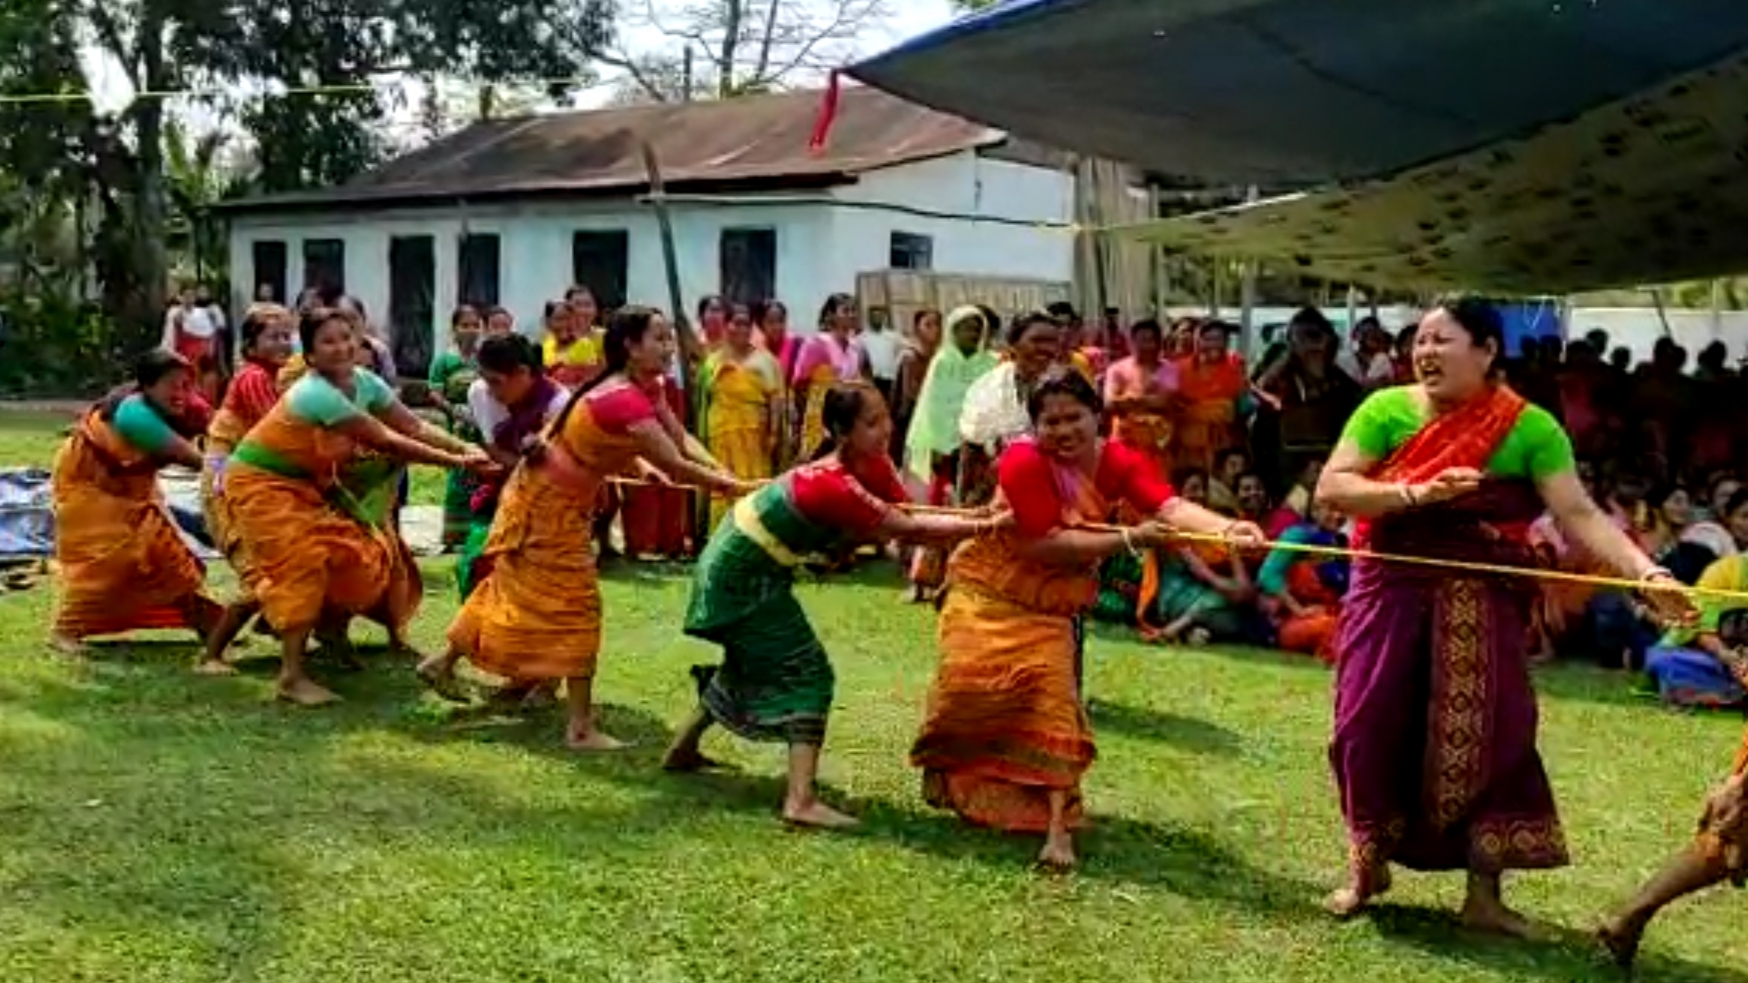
x=149, y=230
x=733, y=13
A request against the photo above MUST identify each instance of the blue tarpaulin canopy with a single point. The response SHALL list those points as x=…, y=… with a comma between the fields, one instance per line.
x=1296, y=92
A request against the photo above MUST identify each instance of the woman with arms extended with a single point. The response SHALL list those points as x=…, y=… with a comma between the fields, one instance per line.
x=536, y=617
x=1006, y=739
x=266, y=347
x=1434, y=749
x=316, y=553
x=513, y=400
x=1719, y=851
x=775, y=683
x=123, y=564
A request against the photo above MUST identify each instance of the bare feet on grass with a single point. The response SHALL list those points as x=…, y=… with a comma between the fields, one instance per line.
x=1058, y=854
x=592, y=739
x=1359, y=892
x=306, y=692
x=815, y=814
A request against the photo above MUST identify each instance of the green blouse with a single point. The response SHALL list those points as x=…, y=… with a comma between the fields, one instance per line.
x=1535, y=448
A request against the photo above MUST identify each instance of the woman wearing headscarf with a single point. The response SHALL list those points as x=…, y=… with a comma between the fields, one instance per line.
x=933, y=446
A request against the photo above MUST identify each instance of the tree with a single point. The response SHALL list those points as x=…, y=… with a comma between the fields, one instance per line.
x=139, y=173
x=970, y=6
x=742, y=46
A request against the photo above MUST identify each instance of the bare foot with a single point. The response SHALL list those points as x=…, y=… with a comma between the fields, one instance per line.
x=439, y=676
x=214, y=667
x=593, y=740
x=818, y=815
x=304, y=692
x=688, y=760
x=1058, y=855
x=1495, y=918
x=1621, y=937
x=1348, y=901
x=68, y=647
x=1198, y=637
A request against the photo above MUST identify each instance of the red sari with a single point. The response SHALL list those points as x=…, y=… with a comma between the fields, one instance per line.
x=657, y=520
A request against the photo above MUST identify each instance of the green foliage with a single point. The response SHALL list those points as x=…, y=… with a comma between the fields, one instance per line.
x=52, y=344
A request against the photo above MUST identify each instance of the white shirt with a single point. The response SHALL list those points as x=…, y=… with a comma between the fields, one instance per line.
x=882, y=350
x=488, y=412
x=196, y=322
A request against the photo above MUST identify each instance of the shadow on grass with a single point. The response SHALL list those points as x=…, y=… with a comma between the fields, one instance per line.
x=1191, y=863
x=1560, y=955
x=1188, y=733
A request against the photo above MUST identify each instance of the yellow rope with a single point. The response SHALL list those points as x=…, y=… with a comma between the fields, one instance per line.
x=1338, y=552
x=336, y=89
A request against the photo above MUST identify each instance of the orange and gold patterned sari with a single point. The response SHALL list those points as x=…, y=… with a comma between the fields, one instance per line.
x=309, y=555
x=123, y=565
x=537, y=614
x=1005, y=724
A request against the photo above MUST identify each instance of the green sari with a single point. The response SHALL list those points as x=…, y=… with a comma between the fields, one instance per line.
x=775, y=683
x=452, y=375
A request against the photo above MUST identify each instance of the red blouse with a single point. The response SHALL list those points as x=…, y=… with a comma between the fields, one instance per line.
x=252, y=393
x=830, y=494
x=617, y=407
x=1039, y=490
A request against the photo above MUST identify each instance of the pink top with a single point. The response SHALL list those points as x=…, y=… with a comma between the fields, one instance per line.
x=844, y=359
x=1126, y=379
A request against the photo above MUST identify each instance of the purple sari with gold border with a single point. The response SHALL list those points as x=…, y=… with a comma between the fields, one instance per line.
x=1434, y=749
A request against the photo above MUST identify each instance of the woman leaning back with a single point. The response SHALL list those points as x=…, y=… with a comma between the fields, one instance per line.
x=123, y=564
x=536, y=617
x=1006, y=740
x=1434, y=750
x=775, y=683
x=315, y=553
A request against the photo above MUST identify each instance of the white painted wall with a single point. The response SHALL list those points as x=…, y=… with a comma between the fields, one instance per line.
x=1014, y=225
x=821, y=246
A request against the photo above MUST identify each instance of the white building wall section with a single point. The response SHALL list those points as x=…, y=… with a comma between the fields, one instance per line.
x=982, y=216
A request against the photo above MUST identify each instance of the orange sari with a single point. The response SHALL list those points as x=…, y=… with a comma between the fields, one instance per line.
x=1005, y=724
x=123, y=565
x=1210, y=417
x=240, y=411
x=537, y=614
x=306, y=556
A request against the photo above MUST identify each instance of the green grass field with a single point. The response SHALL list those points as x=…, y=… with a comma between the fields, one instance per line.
x=156, y=826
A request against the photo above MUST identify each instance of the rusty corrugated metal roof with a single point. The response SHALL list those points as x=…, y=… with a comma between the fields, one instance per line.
x=747, y=139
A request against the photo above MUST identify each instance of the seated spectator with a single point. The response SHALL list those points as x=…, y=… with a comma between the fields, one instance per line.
x=1703, y=664
x=1199, y=591
x=1301, y=592
x=1256, y=505
x=1299, y=496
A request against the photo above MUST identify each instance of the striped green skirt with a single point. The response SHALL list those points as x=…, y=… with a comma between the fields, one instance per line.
x=775, y=682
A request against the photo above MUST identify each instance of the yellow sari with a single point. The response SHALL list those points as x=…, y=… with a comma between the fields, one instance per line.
x=123, y=565
x=737, y=401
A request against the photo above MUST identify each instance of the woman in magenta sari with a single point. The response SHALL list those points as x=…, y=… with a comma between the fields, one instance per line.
x=1434, y=750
